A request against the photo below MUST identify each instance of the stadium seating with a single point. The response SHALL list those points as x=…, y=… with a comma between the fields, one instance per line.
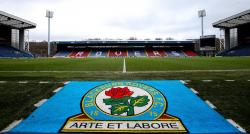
x=62, y=54
x=118, y=53
x=243, y=50
x=190, y=53
x=129, y=52
x=79, y=54
x=175, y=53
x=137, y=53
x=98, y=53
x=155, y=53
x=11, y=52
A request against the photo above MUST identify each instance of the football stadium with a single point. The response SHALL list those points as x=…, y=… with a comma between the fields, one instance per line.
x=198, y=85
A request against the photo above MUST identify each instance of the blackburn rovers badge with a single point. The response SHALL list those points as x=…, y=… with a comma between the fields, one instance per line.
x=123, y=107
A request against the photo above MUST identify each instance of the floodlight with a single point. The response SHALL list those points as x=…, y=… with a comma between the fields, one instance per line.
x=201, y=14
x=49, y=14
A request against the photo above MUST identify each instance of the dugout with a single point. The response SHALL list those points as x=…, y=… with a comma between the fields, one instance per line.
x=12, y=30
x=236, y=30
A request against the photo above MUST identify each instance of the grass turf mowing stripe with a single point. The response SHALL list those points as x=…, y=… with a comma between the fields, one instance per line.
x=195, y=63
x=48, y=64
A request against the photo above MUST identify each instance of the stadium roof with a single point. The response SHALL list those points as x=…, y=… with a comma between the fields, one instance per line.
x=234, y=21
x=14, y=21
x=126, y=42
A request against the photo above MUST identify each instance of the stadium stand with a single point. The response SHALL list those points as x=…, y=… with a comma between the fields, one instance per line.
x=98, y=53
x=11, y=52
x=190, y=53
x=243, y=50
x=12, y=36
x=62, y=54
x=236, y=32
x=121, y=52
x=124, y=48
x=79, y=54
x=137, y=53
x=118, y=53
x=155, y=53
x=175, y=53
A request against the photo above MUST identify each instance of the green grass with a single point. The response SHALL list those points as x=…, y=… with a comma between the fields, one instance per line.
x=196, y=63
x=230, y=98
x=16, y=100
x=64, y=64
x=133, y=64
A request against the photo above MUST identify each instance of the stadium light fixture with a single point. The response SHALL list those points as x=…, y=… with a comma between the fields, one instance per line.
x=49, y=14
x=201, y=14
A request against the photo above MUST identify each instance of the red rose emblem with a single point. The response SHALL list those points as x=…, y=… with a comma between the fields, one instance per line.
x=118, y=92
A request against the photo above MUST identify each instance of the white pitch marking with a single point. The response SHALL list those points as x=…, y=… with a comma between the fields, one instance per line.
x=187, y=80
x=243, y=70
x=22, y=82
x=229, y=80
x=2, y=81
x=236, y=125
x=183, y=82
x=67, y=82
x=196, y=92
x=210, y=104
x=10, y=126
x=38, y=104
x=58, y=89
x=248, y=80
x=207, y=80
x=124, y=66
x=43, y=82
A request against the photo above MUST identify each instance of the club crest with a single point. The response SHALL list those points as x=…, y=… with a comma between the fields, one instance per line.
x=123, y=107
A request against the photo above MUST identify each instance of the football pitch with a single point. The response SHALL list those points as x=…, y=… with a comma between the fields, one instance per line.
x=223, y=81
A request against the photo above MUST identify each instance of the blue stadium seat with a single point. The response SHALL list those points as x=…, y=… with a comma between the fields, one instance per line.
x=175, y=53
x=11, y=52
x=61, y=54
x=97, y=53
x=137, y=53
x=242, y=50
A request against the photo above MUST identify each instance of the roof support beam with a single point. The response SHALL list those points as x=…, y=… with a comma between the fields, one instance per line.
x=14, y=21
x=234, y=21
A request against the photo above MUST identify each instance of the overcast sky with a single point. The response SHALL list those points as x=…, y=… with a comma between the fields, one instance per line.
x=82, y=19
